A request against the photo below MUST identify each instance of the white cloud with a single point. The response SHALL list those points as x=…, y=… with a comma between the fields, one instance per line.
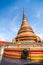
x=8, y=27
x=38, y=14
x=9, y=32
x=12, y=10
x=27, y=1
x=2, y=37
x=38, y=29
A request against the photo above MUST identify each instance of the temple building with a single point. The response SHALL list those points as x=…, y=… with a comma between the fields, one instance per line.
x=26, y=33
x=33, y=51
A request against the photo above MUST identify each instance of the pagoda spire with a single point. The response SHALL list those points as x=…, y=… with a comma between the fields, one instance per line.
x=24, y=17
x=24, y=20
x=25, y=33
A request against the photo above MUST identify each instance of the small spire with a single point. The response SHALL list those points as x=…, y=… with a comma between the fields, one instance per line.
x=24, y=14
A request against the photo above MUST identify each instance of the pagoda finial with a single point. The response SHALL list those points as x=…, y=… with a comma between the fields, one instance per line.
x=24, y=14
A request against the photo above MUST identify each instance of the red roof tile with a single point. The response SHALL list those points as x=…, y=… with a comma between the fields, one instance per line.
x=4, y=42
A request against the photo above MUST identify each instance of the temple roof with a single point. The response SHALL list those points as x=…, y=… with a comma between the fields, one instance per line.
x=4, y=43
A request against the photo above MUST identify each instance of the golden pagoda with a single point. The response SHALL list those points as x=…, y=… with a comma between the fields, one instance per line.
x=26, y=33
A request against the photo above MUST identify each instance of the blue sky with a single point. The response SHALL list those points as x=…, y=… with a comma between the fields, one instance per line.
x=11, y=12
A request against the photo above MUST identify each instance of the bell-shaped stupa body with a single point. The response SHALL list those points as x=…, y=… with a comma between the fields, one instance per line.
x=25, y=33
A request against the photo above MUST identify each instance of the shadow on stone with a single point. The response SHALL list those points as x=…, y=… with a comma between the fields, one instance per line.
x=41, y=62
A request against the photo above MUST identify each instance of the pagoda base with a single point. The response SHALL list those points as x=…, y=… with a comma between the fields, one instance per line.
x=34, y=53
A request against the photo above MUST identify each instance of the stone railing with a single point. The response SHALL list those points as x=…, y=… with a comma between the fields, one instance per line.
x=24, y=44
